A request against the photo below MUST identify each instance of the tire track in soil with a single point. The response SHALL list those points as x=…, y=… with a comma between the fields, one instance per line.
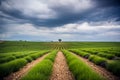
x=23, y=71
x=102, y=71
x=60, y=69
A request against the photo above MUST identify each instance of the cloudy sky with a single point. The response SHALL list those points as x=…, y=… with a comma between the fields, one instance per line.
x=70, y=20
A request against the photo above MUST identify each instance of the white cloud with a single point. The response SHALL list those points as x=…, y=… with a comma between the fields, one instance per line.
x=32, y=8
x=49, y=9
x=24, y=29
x=74, y=5
x=46, y=9
x=86, y=28
x=75, y=31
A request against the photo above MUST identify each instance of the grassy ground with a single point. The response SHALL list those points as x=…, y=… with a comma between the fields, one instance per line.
x=80, y=69
x=14, y=65
x=71, y=45
x=43, y=69
x=109, y=58
x=22, y=52
x=13, y=46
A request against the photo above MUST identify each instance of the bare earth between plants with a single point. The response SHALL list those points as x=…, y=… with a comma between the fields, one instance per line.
x=23, y=71
x=60, y=69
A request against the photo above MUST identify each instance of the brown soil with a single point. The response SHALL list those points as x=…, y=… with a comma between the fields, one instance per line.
x=100, y=70
x=60, y=69
x=23, y=71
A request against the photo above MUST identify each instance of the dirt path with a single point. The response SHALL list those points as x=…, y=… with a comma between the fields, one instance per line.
x=60, y=69
x=23, y=71
x=99, y=70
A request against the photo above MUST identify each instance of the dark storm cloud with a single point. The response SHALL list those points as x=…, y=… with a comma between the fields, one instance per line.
x=60, y=18
x=63, y=19
x=108, y=3
x=105, y=10
x=65, y=15
x=106, y=14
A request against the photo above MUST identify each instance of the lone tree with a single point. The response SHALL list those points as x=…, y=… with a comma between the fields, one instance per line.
x=60, y=40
